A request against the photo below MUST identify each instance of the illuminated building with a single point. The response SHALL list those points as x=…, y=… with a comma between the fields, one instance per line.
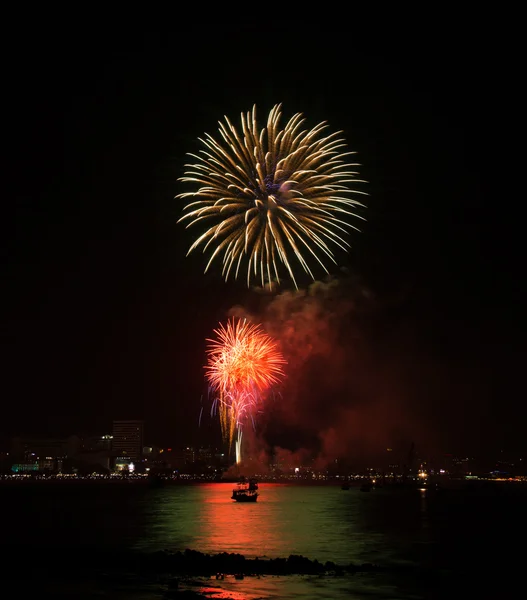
x=43, y=454
x=189, y=455
x=96, y=443
x=25, y=467
x=127, y=439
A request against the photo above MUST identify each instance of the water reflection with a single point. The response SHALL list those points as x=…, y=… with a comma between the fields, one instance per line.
x=325, y=523
x=464, y=531
x=246, y=528
x=285, y=520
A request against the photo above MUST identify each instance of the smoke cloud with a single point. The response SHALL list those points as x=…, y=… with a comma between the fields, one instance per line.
x=349, y=392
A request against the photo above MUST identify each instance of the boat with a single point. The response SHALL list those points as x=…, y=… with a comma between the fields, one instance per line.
x=245, y=491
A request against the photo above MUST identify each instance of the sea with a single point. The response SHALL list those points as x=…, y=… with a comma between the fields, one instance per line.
x=85, y=540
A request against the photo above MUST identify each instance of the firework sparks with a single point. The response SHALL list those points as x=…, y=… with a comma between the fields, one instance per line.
x=269, y=195
x=244, y=363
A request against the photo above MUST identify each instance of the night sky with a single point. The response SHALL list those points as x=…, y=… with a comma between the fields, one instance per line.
x=417, y=332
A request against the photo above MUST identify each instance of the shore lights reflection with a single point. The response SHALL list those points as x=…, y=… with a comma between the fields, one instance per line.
x=203, y=517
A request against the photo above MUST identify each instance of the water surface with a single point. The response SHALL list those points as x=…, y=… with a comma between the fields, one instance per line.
x=426, y=540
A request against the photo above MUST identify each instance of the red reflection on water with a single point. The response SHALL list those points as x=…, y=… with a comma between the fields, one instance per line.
x=246, y=524
x=221, y=594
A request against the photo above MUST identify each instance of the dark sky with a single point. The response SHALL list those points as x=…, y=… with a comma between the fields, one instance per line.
x=106, y=317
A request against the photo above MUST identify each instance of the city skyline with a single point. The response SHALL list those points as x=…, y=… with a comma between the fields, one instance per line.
x=110, y=446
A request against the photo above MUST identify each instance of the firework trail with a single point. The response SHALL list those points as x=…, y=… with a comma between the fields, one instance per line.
x=268, y=196
x=244, y=363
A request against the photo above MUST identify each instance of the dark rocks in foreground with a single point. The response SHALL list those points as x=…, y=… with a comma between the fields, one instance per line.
x=192, y=562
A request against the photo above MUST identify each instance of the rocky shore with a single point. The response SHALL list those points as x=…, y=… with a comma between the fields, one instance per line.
x=180, y=574
x=191, y=562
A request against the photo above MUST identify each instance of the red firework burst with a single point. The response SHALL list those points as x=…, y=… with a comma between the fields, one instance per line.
x=244, y=363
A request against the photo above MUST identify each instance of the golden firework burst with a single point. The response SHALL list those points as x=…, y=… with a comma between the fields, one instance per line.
x=268, y=195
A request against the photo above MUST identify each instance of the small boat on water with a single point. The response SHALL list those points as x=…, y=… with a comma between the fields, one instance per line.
x=245, y=491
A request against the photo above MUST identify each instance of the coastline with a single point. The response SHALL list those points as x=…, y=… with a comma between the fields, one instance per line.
x=448, y=484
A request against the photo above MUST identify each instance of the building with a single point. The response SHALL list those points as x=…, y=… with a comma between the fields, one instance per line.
x=96, y=443
x=95, y=454
x=33, y=449
x=127, y=439
x=43, y=454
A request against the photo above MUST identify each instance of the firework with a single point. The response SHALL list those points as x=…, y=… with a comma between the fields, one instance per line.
x=244, y=363
x=271, y=196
